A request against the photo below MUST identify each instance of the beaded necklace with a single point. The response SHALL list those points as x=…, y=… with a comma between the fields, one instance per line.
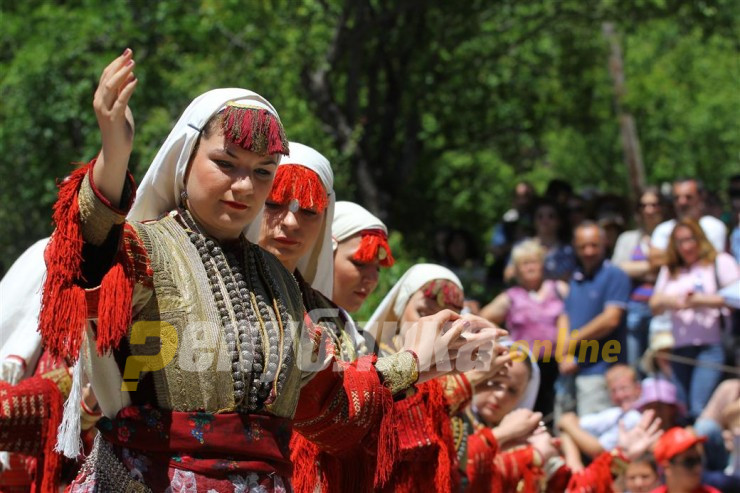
x=256, y=343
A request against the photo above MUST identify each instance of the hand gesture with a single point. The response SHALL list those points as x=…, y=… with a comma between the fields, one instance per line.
x=499, y=366
x=545, y=444
x=117, y=84
x=518, y=424
x=438, y=339
x=639, y=439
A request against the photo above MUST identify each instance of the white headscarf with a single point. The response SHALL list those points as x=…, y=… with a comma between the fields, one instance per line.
x=159, y=191
x=316, y=266
x=389, y=311
x=529, y=397
x=20, y=294
x=350, y=219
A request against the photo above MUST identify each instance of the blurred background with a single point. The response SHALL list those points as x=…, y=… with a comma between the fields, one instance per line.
x=430, y=111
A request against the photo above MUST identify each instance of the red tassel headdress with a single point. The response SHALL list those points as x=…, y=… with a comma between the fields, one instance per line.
x=374, y=245
x=297, y=182
x=446, y=293
x=254, y=129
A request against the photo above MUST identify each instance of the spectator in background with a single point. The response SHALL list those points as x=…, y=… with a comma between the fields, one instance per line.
x=461, y=257
x=687, y=286
x=560, y=259
x=559, y=191
x=688, y=202
x=734, y=195
x=531, y=310
x=595, y=307
x=680, y=456
x=516, y=222
x=631, y=254
x=594, y=433
x=655, y=361
x=712, y=422
x=641, y=475
x=578, y=212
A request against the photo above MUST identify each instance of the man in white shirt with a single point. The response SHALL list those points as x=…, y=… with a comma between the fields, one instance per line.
x=688, y=201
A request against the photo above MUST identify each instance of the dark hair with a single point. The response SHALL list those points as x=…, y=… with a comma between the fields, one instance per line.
x=649, y=459
x=684, y=179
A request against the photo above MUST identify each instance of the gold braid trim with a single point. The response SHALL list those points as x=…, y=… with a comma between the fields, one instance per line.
x=96, y=218
x=399, y=371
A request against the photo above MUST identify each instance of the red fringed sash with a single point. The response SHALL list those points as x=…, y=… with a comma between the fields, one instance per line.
x=64, y=305
x=425, y=439
x=515, y=471
x=30, y=413
x=353, y=425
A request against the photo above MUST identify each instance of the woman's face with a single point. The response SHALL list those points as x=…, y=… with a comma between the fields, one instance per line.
x=417, y=307
x=353, y=280
x=500, y=395
x=289, y=235
x=546, y=221
x=530, y=271
x=640, y=477
x=650, y=210
x=227, y=186
x=688, y=247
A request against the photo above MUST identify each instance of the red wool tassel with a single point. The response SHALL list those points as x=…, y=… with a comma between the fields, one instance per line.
x=293, y=181
x=52, y=463
x=63, y=306
x=596, y=478
x=304, y=456
x=387, y=442
x=114, y=308
x=369, y=250
x=254, y=129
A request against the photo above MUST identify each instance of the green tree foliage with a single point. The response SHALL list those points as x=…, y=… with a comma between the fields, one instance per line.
x=429, y=111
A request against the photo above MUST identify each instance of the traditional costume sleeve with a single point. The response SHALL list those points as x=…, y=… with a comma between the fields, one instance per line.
x=599, y=476
x=94, y=261
x=482, y=448
x=345, y=413
x=518, y=470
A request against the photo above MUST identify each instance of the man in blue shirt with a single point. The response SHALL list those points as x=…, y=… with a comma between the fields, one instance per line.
x=595, y=305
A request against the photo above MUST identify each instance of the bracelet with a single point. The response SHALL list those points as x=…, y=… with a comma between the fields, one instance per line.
x=87, y=409
x=398, y=371
x=416, y=362
x=17, y=358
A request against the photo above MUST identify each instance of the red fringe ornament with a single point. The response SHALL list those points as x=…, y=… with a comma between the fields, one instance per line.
x=114, y=307
x=254, y=129
x=425, y=438
x=293, y=181
x=358, y=450
x=63, y=306
x=370, y=248
x=596, y=478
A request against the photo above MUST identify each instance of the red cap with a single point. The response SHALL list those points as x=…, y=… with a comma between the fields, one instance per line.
x=673, y=442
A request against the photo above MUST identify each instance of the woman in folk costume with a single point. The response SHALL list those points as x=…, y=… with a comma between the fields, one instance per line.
x=194, y=343
x=502, y=446
x=30, y=375
x=296, y=227
x=422, y=415
x=360, y=242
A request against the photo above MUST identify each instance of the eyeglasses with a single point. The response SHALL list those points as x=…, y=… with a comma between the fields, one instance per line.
x=687, y=462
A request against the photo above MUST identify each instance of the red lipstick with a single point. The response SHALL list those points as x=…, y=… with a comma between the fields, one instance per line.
x=235, y=205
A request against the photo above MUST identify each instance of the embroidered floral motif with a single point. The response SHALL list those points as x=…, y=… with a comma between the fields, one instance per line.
x=253, y=432
x=201, y=423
